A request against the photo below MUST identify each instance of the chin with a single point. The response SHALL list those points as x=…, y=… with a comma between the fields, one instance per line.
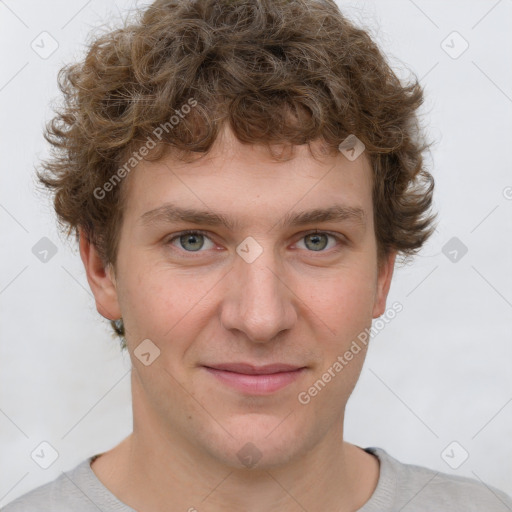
x=257, y=442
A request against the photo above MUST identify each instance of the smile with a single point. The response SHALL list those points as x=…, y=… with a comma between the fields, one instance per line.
x=254, y=383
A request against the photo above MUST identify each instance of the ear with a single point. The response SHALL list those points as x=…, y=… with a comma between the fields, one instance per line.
x=101, y=279
x=385, y=274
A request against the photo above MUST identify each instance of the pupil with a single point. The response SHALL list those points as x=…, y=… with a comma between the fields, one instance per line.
x=190, y=238
x=316, y=237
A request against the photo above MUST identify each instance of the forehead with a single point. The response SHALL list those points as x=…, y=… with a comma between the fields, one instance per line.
x=247, y=181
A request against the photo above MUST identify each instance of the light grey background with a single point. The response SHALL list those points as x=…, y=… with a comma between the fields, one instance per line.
x=439, y=372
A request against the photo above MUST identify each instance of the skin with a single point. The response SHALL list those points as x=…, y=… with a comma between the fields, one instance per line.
x=292, y=304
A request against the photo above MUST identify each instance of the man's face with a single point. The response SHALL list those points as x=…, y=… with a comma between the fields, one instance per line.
x=261, y=291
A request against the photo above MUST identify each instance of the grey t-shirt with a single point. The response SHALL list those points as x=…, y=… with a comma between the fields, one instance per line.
x=401, y=487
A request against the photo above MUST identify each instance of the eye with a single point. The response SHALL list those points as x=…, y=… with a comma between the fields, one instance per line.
x=191, y=241
x=317, y=241
x=194, y=241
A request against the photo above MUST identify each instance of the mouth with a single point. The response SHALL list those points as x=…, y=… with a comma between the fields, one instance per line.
x=254, y=380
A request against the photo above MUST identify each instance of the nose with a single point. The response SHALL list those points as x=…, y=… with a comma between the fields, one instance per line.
x=259, y=301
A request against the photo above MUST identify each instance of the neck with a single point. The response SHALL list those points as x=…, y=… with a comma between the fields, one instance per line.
x=141, y=476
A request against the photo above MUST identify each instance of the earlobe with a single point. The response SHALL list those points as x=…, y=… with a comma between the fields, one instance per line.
x=383, y=284
x=100, y=279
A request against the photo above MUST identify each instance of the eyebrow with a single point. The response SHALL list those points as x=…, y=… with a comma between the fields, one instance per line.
x=169, y=213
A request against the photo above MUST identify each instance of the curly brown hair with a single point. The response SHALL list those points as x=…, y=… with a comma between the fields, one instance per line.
x=278, y=71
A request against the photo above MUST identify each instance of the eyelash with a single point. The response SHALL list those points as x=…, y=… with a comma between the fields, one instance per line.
x=342, y=242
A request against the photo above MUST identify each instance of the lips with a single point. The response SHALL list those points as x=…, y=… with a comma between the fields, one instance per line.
x=250, y=379
x=249, y=369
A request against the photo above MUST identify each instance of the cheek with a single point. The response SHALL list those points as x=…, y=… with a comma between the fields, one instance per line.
x=159, y=304
x=343, y=302
x=145, y=303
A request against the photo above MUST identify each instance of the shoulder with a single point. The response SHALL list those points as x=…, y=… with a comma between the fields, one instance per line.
x=418, y=488
x=60, y=495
